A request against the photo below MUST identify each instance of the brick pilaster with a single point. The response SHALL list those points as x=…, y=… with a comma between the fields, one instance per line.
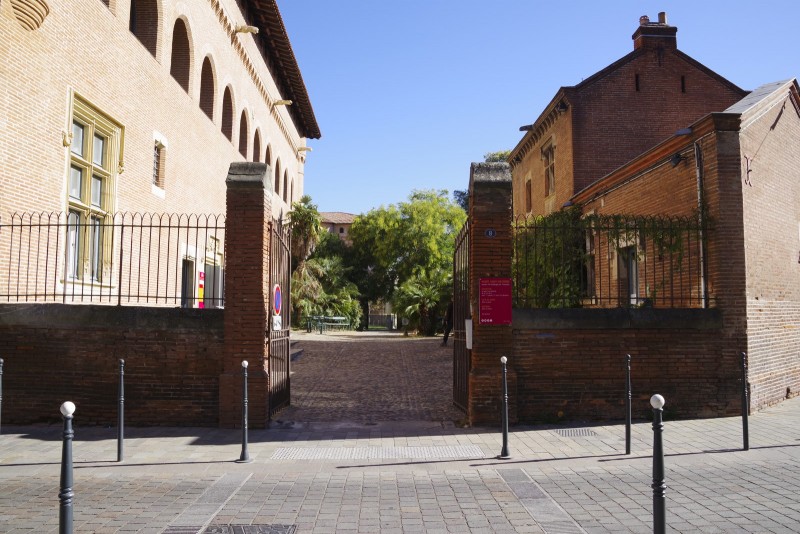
x=247, y=233
x=490, y=212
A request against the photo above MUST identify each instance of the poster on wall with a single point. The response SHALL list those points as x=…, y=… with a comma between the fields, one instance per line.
x=494, y=301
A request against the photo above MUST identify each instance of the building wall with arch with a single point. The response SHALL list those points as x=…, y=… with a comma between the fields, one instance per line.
x=149, y=79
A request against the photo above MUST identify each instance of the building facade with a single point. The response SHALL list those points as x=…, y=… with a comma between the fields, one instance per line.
x=140, y=106
x=338, y=223
x=590, y=129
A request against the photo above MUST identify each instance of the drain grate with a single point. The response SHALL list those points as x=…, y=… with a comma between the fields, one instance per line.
x=575, y=432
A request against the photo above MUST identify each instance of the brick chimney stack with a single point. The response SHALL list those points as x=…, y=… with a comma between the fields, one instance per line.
x=655, y=34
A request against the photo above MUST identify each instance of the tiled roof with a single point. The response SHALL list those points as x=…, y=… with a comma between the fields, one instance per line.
x=290, y=82
x=758, y=94
x=337, y=217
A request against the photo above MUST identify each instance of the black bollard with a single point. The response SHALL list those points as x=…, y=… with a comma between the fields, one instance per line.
x=66, y=495
x=628, y=406
x=1, y=393
x=659, y=486
x=121, y=413
x=504, y=455
x=745, y=404
x=245, y=456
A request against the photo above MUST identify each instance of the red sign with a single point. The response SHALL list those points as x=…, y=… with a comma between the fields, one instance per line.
x=494, y=300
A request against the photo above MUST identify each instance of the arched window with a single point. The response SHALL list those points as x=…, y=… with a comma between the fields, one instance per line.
x=207, y=88
x=227, y=114
x=243, y=134
x=285, y=185
x=278, y=177
x=268, y=157
x=291, y=192
x=257, y=146
x=181, y=55
x=144, y=23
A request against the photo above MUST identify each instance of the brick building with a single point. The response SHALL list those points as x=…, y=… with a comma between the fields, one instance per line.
x=590, y=129
x=121, y=106
x=337, y=222
x=654, y=138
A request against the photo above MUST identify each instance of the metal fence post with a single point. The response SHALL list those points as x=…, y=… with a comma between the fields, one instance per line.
x=504, y=455
x=745, y=405
x=244, y=457
x=121, y=413
x=66, y=494
x=628, y=405
x=659, y=486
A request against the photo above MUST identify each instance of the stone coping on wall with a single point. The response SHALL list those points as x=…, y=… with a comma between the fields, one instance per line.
x=55, y=315
x=617, y=318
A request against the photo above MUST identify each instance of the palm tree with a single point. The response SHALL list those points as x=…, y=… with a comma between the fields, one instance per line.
x=421, y=297
x=306, y=225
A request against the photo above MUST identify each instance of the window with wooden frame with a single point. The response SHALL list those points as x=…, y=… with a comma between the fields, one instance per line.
x=95, y=160
x=159, y=160
x=549, y=162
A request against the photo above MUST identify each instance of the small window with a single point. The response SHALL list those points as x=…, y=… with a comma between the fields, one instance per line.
x=528, y=197
x=341, y=230
x=549, y=159
x=159, y=164
x=77, y=139
x=636, y=81
x=683, y=84
x=628, y=279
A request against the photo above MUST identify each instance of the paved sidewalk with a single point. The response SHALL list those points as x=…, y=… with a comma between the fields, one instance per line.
x=314, y=472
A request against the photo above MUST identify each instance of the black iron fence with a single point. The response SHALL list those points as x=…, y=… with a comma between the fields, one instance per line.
x=461, y=313
x=567, y=260
x=121, y=258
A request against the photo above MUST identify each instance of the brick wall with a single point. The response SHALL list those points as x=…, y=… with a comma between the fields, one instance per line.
x=770, y=192
x=247, y=294
x=570, y=363
x=490, y=257
x=54, y=353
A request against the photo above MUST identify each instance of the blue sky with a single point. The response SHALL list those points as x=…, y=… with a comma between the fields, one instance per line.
x=408, y=93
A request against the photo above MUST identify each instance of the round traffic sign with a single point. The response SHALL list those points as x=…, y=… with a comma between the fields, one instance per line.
x=276, y=299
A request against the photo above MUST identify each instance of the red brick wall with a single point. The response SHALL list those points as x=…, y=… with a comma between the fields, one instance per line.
x=55, y=353
x=771, y=211
x=490, y=257
x=570, y=363
x=614, y=123
x=247, y=293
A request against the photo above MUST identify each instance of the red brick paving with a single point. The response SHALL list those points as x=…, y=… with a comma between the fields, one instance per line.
x=370, y=376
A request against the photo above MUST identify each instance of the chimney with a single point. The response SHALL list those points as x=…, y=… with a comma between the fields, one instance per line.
x=655, y=34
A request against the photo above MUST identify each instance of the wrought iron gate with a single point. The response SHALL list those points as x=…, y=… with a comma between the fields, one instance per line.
x=280, y=316
x=461, y=356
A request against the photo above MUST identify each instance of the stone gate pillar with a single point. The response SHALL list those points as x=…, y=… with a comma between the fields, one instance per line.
x=490, y=214
x=247, y=259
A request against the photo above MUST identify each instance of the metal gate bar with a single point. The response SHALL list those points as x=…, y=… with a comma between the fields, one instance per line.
x=461, y=356
x=278, y=331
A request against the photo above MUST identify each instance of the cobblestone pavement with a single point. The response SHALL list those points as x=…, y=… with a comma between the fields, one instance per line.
x=331, y=465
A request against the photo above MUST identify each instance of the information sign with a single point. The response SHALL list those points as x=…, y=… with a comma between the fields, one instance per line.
x=494, y=301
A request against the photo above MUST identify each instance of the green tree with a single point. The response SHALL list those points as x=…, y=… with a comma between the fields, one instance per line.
x=392, y=245
x=423, y=298
x=499, y=156
x=461, y=197
x=306, y=225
